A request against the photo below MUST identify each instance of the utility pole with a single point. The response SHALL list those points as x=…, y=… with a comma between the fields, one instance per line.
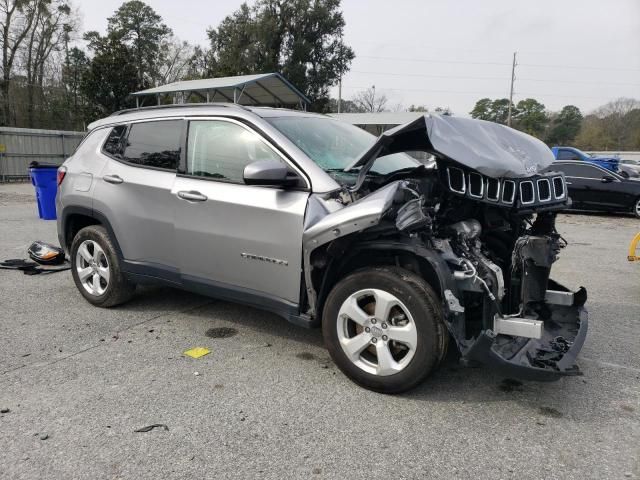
x=373, y=99
x=340, y=82
x=513, y=79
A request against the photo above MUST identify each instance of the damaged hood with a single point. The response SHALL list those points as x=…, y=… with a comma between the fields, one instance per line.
x=490, y=148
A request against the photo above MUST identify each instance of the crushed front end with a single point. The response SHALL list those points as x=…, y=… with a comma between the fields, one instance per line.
x=499, y=241
x=479, y=225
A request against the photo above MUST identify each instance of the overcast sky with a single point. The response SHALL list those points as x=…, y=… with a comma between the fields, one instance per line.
x=451, y=53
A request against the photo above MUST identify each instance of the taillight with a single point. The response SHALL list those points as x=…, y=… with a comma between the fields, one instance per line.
x=62, y=171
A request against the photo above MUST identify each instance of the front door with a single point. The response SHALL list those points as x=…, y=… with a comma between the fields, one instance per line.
x=231, y=236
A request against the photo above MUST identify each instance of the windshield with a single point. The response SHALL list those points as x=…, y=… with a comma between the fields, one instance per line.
x=334, y=145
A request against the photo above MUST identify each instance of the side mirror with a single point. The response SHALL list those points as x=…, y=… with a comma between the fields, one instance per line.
x=269, y=172
x=607, y=179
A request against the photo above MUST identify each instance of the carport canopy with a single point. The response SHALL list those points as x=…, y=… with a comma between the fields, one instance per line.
x=264, y=89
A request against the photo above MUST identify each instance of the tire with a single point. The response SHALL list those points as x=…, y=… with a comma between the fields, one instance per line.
x=392, y=353
x=96, y=268
x=636, y=208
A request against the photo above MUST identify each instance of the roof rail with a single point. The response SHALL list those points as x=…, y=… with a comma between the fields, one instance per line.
x=177, y=105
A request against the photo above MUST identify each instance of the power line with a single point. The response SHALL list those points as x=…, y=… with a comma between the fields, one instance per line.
x=535, y=65
x=462, y=92
x=473, y=77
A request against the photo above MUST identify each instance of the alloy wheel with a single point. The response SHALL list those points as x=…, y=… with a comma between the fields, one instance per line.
x=377, y=332
x=92, y=267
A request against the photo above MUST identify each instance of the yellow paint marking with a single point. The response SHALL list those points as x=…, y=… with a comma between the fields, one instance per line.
x=197, y=352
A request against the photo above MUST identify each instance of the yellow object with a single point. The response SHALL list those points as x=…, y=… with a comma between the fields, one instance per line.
x=633, y=247
x=197, y=352
x=3, y=148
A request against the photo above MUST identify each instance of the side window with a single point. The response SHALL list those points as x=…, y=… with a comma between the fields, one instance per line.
x=114, y=145
x=154, y=144
x=581, y=171
x=567, y=155
x=220, y=149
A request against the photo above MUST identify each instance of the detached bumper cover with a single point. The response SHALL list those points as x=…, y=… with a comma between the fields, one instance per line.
x=545, y=359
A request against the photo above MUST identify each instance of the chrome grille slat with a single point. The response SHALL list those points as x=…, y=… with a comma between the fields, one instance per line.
x=544, y=195
x=512, y=185
x=456, y=171
x=480, y=181
x=559, y=182
x=497, y=185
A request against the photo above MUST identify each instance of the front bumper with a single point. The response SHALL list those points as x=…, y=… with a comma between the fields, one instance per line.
x=545, y=359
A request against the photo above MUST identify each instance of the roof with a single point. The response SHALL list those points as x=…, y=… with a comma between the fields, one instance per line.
x=260, y=89
x=194, y=109
x=377, y=118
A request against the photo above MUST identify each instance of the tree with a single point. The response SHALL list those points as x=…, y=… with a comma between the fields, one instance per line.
x=140, y=29
x=176, y=60
x=51, y=26
x=110, y=78
x=530, y=117
x=75, y=68
x=418, y=108
x=367, y=101
x=565, y=126
x=492, y=110
x=17, y=18
x=617, y=126
x=446, y=111
x=302, y=39
x=348, y=106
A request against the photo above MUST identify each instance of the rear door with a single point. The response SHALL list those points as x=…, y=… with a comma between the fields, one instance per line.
x=593, y=187
x=230, y=235
x=134, y=192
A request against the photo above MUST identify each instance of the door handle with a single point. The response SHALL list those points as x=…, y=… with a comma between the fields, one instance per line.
x=192, y=196
x=114, y=179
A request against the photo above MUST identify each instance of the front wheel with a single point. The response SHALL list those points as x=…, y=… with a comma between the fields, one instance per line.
x=636, y=208
x=383, y=328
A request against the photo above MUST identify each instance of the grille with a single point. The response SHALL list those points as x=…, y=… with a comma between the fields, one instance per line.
x=533, y=190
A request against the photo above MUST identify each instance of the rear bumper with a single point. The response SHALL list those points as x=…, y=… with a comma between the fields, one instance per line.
x=545, y=359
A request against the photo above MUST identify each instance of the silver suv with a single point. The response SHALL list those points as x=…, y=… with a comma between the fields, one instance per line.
x=325, y=225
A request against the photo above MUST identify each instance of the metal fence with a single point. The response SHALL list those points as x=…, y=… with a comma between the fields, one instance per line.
x=21, y=146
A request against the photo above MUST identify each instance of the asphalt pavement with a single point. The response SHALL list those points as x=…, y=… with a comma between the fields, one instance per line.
x=267, y=402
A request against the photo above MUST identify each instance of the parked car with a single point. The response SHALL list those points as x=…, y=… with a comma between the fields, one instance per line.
x=592, y=187
x=571, y=153
x=629, y=164
x=282, y=210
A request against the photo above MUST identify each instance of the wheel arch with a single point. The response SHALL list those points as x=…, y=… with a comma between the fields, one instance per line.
x=340, y=262
x=75, y=219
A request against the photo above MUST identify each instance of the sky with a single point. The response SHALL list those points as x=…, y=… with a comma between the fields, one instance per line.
x=450, y=53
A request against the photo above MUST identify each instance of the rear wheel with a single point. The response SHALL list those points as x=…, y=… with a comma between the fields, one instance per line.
x=96, y=268
x=636, y=208
x=383, y=328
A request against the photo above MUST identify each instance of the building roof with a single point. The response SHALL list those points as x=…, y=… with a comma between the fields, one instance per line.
x=378, y=118
x=260, y=89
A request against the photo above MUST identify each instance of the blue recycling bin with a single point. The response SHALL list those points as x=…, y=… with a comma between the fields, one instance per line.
x=44, y=178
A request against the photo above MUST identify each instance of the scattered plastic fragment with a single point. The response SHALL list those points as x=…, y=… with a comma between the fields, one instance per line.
x=197, y=352
x=148, y=428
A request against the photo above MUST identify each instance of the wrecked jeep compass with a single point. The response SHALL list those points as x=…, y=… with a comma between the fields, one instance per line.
x=323, y=224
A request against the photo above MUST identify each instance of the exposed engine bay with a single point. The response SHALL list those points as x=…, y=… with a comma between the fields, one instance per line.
x=486, y=244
